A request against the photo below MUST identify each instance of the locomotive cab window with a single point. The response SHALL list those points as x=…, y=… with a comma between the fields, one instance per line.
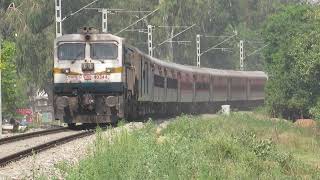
x=71, y=51
x=104, y=51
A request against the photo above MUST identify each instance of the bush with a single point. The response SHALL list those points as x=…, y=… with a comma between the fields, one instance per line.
x=315, y=111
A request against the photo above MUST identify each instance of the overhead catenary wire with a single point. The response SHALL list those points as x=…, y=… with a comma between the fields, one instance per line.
x=171, y=26
x=175, y=35
x=137, y=21
x=118, y=10
x=258, y=50
x=209, y=36
x=79, y=10
x=179, y=41
x=137, y=30
x=219, y=44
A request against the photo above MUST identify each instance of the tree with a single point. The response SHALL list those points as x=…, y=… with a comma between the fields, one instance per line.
x=293, y=61
x=11, y=90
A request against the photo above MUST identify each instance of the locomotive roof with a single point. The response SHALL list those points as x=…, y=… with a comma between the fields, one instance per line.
x=81, y=37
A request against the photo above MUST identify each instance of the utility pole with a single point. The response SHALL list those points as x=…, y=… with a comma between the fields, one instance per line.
x=241, y=55
x=0, y=92
x=150, y=46
x=198, y=50
x=104, y=20
x=58, y=18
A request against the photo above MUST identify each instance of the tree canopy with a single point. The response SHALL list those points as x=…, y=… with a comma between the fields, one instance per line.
x=293, y=61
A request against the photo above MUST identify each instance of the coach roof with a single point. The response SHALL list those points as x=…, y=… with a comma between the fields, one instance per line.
x=206, y=71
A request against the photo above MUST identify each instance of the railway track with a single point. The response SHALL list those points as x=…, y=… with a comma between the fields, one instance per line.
x=36, y=149
x=30, y=135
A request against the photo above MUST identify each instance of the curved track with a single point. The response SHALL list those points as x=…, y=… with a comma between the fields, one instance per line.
x=30, y=135
x=34, y=150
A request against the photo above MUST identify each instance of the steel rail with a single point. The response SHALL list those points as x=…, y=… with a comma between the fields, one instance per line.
x=34, y=150
x=30, y=135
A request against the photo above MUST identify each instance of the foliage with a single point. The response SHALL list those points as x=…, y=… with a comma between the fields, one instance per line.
x=11, y=92
x=315, y=111
x=236, y=147
x=293, y=60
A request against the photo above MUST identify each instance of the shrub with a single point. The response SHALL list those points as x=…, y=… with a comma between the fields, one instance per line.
x=315, y=111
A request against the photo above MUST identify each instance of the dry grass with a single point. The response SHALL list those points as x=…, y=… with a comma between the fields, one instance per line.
x=306, y=123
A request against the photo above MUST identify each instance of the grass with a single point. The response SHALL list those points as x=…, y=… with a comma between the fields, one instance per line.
x=236, y=147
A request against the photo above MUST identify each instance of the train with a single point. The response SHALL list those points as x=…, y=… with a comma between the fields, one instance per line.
x=100, y=78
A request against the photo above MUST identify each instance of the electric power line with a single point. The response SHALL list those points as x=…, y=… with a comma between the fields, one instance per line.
x=137, y=21
x=79, y=10
x=218, y=44
x=176, y=35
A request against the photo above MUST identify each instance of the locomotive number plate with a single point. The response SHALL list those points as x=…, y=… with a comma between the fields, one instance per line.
x=87, y=76
x=101, y=77
x=73, y=78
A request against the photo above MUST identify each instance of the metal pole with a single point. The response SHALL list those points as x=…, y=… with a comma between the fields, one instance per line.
x=198, y=51
x=0, y=93
x=58, y=18
x=241, y=56
x=104, y=20
x=150, y=47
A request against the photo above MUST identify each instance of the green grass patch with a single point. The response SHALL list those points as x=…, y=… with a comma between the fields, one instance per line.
x=235, y=147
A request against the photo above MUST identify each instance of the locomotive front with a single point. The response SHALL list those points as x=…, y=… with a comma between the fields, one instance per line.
x=88, y=78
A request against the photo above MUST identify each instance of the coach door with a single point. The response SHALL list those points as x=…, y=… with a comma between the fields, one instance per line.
x=145, y=79
x=129, y=71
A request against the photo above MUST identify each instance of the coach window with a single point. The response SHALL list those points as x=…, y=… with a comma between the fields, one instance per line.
x=202, y=86
x=158, y=81
x=145, y=77
x=172, y=83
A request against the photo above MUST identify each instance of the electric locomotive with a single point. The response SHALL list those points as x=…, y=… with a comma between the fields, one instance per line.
x=88, y=77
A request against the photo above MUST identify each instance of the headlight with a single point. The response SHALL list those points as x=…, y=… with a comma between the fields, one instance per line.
x=109, y=70
x=66, y=71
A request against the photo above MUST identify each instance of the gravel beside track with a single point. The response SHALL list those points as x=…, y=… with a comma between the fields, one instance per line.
x=24, y=136
x=16, y=134
x=46, y=162
x=11, y=148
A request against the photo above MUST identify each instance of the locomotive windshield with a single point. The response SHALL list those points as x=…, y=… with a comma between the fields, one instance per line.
x=104, y=51
x=71, y=51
